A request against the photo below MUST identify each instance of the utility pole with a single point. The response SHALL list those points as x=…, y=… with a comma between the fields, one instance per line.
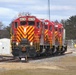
x=49, y=9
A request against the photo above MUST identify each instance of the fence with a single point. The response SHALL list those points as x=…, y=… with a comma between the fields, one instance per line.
x=71, y=43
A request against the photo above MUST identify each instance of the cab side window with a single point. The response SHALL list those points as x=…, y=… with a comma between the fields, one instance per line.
x=50, y=28
x=16, y=25
x=38, y=25
x=60, y=30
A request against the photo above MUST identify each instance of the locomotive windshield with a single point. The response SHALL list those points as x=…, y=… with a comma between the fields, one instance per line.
x=23, y=22
x=31, y=23
x=46, y=27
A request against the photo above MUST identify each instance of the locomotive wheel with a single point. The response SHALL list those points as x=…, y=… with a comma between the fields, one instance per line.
x=15, y=52
x=63, y=50
x=54, y=50
x=50, y=52
x=57, y=51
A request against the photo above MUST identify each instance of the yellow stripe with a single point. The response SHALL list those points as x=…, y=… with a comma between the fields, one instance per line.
x=19, y=30
x=18, y=38
x=31, y=35
x=32, y=29
x=28, y=29
x=22, y=32
x=25, y=36
x=46, y=32
x=31, y=39
x=19, y=34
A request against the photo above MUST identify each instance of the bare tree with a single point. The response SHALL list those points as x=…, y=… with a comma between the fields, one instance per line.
x=1, y=25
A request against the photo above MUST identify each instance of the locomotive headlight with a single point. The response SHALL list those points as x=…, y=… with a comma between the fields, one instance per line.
x=17, y=43
x=31, y=43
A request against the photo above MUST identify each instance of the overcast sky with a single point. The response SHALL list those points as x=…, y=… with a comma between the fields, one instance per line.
x=59, y=9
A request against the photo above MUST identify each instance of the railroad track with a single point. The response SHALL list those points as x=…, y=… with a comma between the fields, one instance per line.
x=11, y=59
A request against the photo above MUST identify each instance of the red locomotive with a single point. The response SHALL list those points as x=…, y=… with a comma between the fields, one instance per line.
x=49, y=35
x=59, y=44
x=32, y=37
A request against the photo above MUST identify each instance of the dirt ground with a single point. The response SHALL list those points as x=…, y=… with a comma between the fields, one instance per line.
x=62, y=65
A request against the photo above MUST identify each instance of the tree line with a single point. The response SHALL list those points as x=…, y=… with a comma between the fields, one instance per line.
x=69, y=25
